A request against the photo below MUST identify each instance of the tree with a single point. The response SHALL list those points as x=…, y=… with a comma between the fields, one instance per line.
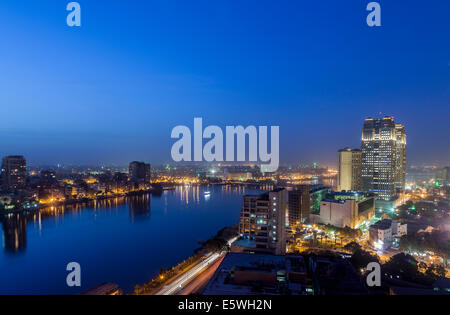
x=403, y=210
x=409, y=243
x=162, y=272
x=435, y=271
x=352, y=247
x=215, y=245
x=403, y=265
x=361, y=258
x=434, y=241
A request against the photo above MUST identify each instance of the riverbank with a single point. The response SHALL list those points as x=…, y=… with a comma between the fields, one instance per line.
x=125, y=241
x=216, y=244
x=99, y=198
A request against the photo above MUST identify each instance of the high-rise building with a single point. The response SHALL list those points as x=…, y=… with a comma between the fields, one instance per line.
x=400, y=155
x=298, y=204
x=350, y=163
x=263, y=221
x=139, y=172
x=383, y=157
x=14, y=172
x=443, y=176
x=305, y=200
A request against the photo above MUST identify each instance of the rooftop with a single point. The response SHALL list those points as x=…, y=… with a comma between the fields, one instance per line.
x=382, y=225
x=245, y=243
x=248, y=274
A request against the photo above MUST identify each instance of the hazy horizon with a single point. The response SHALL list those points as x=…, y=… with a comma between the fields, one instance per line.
x=111, y=91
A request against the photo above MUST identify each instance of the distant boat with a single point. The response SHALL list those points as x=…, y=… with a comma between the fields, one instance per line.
x=207, y=193
x=169, y=188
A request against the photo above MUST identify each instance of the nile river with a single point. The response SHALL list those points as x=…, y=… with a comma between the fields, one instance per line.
x=124, y=241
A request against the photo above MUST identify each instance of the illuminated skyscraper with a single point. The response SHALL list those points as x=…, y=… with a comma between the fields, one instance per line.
x=349, y=170
x=400, y=165
x=14, y=171
x=383, y=157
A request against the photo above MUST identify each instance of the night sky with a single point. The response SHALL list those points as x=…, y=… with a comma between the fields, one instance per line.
x=112, y=90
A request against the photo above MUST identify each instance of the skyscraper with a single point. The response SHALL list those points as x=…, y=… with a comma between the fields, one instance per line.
x=383, y=157
x=443, y=176
x=349, y=169
x=14, y=171
x=400, y=165
x=139, y=172
x=263, y=221
x=299, y=204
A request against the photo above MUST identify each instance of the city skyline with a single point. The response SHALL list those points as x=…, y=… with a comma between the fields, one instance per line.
x=332, y=164
x=250, y=151
x=120, y=82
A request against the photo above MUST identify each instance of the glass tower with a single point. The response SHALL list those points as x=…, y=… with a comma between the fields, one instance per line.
x=383, y=157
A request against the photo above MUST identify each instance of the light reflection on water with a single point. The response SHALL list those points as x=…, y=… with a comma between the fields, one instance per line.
x=120, y=240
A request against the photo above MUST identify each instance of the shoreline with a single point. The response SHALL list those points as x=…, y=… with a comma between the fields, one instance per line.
x=157, y=283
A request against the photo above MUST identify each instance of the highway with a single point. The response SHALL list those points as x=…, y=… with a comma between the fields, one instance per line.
x=200, y=282
x=179, y=284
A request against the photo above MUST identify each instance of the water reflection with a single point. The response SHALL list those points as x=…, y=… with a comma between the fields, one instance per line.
x=14, y=233
x=139, y=207
x=14, y=225
x=162, y=230
x=195, y=194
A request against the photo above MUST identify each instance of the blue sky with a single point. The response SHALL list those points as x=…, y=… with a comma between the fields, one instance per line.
x=112, y=90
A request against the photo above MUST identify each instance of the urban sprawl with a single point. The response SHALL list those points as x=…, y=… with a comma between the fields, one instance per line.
x=313, y=231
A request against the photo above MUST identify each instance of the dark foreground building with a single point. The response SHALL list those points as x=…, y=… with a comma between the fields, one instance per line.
x=14, y=172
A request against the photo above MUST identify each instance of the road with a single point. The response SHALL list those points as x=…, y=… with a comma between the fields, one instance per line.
x=177, y=285
x=202, y=279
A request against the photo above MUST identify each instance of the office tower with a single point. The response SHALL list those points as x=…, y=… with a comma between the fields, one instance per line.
x=139, y=172
x=14, y=171
x=443, y=176
x=383, y=157
x=263, y=221
x=298, y=204
x=400, y=155
x=350, y=163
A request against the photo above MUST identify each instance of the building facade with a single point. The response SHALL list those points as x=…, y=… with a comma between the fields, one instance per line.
x=14, y=172
x=383, y=233
x=139, y=172
x=263, y=221
x=304, y=200
x=380, y=234
x=317, y=193
x=298, y=205
x=383, y=157
x=350, y=163
x=349, y=209
x=400, y=156
x=443, y=176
